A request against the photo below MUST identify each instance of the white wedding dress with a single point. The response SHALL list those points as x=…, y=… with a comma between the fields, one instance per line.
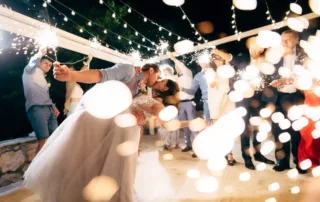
x=84, y=147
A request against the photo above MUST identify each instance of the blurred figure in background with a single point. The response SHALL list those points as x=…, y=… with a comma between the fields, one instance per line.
x=218, y=98
x=170, y=139
x=187, y=110
x=74, y=91
x=252, y=103
x=41, y=111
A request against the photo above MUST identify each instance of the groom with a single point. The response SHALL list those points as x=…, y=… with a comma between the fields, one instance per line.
x=126, y=73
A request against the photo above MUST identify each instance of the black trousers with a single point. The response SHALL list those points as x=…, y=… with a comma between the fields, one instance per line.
x=253, y=106
x=282, y=153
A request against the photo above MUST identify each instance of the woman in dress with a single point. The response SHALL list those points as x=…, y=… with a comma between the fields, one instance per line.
x=85, y=147
x=74, y=91
x=170, y=138
x=309, y=147
x=218, y=99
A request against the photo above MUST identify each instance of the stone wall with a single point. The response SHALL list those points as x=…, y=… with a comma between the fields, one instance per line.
x=15, y=157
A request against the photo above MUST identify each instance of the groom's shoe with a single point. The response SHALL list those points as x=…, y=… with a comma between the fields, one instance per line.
x=259, y=157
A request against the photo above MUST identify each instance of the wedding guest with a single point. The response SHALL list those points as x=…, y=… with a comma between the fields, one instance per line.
x=170, y=139
x=41, y=111
x=288, y=96
x=187, y=110
x=74, y=91
x=253, y=104
x=218, y=98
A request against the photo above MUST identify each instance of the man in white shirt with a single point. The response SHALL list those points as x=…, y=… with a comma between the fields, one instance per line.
x=187, y=109
x=288, y=96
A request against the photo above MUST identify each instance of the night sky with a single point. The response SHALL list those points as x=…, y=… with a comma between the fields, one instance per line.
x=12, y=114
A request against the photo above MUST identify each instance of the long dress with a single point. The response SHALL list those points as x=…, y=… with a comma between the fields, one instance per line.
x=84, y=147
x=218, y=99
x=309, y=147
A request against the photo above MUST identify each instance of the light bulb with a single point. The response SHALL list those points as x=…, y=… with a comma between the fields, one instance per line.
x=139, y=46
x=65, y=19
x=160, y=28
x=184, y=17
x=129, y=10
x=73, y=13
x=179, y=37
x=170, y=33
x=114, y=15
x=105, y=31
x=101, y=2
x=81, y=30
x=143, y=39
x=44, y=4
x=90, y=23
x=49, y=1
x=145, y=19
x=125, y=25
x=130, y=42
x=136, y=33
x=119, y=37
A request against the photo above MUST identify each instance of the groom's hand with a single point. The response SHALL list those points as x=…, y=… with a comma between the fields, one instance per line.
x=61, y=73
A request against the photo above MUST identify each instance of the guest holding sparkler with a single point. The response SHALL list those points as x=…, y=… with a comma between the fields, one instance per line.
x=218, y=99
x=42, y=113
x=252, y=103
x=187, y=110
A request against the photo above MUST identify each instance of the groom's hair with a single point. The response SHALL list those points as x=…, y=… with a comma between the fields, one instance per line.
x=146, y=67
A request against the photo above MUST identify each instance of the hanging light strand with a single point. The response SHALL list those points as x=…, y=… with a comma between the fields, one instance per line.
x=154, y=23
x=288, y=12
x=127, y=24
x=81, y=29
x=97, y=24
x=234, y=23
x=269, y=16
x=193, y=26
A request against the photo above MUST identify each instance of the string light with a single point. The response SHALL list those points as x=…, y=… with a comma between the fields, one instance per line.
x=234, y=23
x=268, y=13
x=65, y=19
x=90, y=23
x=129, y=10
x=106, y=4
x=192, y=25
x=153, y=22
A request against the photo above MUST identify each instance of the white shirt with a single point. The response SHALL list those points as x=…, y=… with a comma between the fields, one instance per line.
x=289, y=62
x=185, y=81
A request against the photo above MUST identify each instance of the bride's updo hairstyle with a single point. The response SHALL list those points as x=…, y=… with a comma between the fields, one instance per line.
x=171, y=96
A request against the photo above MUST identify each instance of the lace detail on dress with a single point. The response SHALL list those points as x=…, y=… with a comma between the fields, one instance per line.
x=140, y=102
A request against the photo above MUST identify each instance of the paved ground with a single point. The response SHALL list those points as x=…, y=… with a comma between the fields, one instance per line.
x=231, y=189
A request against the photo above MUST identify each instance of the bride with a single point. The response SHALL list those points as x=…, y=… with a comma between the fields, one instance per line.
x=85, y=147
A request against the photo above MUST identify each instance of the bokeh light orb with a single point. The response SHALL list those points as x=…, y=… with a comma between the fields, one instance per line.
x=168, y=113
x=174, y=2
x=245, y=4
x=315, y=6
x=184, y=47
x=100, y=188
x=108, y=99
x=205, y=27
x=226, y=71
x=207, y=185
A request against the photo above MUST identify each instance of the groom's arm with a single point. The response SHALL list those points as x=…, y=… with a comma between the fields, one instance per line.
x=119, y=72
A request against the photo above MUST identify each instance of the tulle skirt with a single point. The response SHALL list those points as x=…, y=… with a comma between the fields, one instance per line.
x=83, y=147
x=73, y=106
